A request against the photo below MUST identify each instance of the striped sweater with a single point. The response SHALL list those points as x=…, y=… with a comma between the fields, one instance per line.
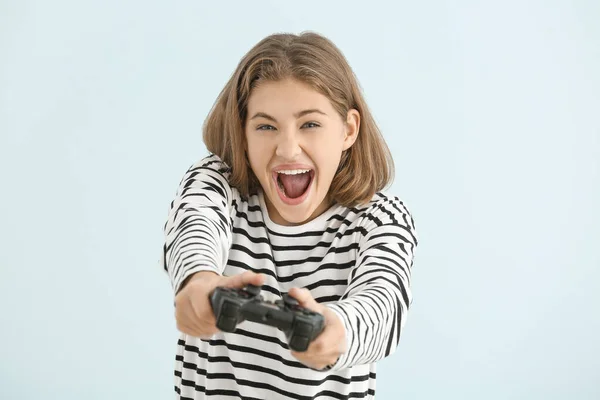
x=357, y=261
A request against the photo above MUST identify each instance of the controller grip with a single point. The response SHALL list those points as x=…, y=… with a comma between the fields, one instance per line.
x=304, y=332
x=227, y=310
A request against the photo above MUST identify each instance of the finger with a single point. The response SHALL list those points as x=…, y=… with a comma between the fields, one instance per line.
x=316, y=362
x=203, y=312
x=244, y=279
x=185, y=328
x=194, y=326
x=328, y=342
x=305, y=299
x=188, y=316
x=326, y=349
x=252, y=278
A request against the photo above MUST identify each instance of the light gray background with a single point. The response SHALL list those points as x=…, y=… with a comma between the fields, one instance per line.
x=491, y=110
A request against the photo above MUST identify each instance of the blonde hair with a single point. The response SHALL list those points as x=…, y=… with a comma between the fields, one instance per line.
x=365, y=168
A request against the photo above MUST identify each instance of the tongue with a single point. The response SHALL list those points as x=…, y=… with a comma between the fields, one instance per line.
x=295, y=185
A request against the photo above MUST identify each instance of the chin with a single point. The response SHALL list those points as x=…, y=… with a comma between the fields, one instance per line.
x=295, y=219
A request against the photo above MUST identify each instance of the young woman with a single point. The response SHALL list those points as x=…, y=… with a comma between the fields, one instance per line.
x=290, y=199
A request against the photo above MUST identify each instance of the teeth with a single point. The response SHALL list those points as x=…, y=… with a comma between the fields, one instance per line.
x=293, y=171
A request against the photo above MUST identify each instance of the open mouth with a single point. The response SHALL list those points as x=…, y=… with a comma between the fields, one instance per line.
x=293, y=185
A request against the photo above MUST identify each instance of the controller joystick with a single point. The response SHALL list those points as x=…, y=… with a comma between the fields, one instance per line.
x=289, y=301
x=252, y=290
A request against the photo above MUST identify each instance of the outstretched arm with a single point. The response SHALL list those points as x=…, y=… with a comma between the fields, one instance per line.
x=198, y=228
x=364, y=326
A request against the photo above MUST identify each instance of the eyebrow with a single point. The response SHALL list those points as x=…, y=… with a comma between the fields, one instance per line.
x=297, y=115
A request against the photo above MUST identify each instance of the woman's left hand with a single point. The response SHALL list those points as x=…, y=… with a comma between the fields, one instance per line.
x=330, y=344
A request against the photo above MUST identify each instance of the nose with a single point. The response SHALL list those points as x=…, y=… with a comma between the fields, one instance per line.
x=288, y=146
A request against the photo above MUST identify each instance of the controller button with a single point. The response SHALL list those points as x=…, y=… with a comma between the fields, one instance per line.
x=299, y=343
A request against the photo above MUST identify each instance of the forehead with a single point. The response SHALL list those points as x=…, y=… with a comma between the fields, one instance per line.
x=286, y=97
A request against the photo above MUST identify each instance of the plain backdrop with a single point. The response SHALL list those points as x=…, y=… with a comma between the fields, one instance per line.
x=491, y=109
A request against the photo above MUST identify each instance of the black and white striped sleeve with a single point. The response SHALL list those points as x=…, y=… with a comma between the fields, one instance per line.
x=198, y=229
x=375, y=304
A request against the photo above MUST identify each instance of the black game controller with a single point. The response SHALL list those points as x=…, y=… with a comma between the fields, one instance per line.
x=232, y=306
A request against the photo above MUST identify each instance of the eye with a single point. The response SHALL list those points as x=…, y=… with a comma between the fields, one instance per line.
x=264, y=128
x=311, y=125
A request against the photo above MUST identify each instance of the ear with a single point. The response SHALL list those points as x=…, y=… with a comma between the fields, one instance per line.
x=352, y=127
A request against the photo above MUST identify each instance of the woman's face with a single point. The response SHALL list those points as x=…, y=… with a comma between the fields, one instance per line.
x=294, y=141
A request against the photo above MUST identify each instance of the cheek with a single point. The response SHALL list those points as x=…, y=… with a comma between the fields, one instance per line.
x=252, y=150
x=258, y=161
x=328, y=165
x=257, y=145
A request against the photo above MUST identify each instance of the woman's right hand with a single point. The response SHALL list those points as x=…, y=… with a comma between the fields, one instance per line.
x=193, y=312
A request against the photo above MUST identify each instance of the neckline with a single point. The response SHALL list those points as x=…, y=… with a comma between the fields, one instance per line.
x=317, y=223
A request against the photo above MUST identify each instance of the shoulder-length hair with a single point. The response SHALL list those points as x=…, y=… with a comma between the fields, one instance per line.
x=365, y=168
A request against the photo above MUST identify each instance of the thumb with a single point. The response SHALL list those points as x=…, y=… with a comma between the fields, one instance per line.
x=244, y=279
x=305, y=299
